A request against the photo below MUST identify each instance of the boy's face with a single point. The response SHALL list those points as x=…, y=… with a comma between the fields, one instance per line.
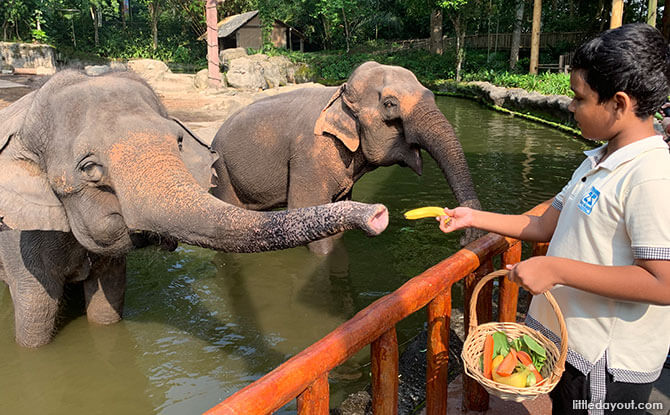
x=596, y=120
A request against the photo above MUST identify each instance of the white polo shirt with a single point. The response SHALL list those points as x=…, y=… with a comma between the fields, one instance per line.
x=611, y=214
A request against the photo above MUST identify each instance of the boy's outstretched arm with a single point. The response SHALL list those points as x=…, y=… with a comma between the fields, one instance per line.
x=525, y=227
x=646, y=281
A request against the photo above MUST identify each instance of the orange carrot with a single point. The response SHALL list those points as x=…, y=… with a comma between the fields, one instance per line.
x=526, y=360
x=508, y=364
x=488, y=356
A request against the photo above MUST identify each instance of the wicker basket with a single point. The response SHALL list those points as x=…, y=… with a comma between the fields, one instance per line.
x=474, y=347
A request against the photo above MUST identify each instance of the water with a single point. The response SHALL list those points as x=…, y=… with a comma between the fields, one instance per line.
x=199, y=325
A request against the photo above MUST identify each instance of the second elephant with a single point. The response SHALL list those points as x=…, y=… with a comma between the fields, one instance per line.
x=310, y=146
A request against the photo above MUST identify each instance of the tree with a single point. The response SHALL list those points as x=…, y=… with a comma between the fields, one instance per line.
x=155, y=8
x=15, y=12
x=516, y=34
x=460, y=12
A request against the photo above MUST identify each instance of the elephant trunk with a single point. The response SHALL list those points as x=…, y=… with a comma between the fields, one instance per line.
x=158, y=194
x=432, y=132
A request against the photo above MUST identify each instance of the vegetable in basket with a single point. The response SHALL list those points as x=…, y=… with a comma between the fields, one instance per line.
x=515, y=363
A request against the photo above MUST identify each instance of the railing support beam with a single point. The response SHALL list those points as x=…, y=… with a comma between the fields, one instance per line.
x=475, y=397
x=508, y=295
x=437, y=356
x=384, y=352
x=315, y=400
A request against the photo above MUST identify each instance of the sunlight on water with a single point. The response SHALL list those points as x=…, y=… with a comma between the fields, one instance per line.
x=199, y=325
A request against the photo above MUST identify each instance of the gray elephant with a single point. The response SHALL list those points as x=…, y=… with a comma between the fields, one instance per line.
x=91, y=167
x=310, y=146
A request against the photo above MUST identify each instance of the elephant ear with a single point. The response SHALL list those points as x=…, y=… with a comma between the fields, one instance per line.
x=198, y=156
x=26, y=199
x=338, y=120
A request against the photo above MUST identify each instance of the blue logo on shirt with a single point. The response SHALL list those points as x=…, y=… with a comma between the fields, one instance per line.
x=588, y=201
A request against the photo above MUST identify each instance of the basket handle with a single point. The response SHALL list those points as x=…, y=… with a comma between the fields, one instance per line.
x=560, y=364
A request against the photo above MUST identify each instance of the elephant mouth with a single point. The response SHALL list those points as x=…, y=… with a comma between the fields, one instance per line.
x=107, y=235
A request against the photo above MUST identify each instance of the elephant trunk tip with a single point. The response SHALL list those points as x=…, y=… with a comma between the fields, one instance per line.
x=377, y=221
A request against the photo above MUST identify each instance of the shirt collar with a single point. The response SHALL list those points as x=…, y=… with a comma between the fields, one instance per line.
x=625, y=153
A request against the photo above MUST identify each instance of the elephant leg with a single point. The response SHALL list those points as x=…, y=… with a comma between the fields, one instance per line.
x=105, y=290
x=224, y=189
x=302, y=195
x=35, y=310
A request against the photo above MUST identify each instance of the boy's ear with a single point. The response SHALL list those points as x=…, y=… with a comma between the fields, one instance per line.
x=623, y=104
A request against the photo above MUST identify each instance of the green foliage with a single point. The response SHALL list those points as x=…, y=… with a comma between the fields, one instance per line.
x=545, y=83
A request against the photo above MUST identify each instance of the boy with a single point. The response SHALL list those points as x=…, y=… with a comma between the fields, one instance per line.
x=608, y=263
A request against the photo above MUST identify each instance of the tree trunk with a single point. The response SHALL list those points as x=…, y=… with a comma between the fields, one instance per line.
x=516, y=35
x=666, y=20
x=94, y=17
x=617, y=14
x=154, y=10
x=436, y=31
x=535, y=37
x=123, y=13
x=651, y=13
x=459, y=30
x=346, y=28
x=5, y=24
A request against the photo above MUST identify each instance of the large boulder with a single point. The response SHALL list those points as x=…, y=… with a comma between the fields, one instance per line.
x=246, y=73
x=303, y=73
x=285, y=66
x=149, y=69
x=227, y=55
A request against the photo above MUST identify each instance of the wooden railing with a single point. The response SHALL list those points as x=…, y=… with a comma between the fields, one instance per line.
x=305, y=376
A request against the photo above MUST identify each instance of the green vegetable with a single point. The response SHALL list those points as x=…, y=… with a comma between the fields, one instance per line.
x=531, y=380
x=536, y=352
x=500, y=344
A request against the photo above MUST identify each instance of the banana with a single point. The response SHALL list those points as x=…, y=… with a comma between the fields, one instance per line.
x=425, y=212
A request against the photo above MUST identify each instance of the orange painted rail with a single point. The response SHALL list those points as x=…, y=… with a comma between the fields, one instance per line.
x=305, y=376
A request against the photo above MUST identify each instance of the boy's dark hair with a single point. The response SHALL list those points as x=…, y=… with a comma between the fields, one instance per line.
x=632, y=58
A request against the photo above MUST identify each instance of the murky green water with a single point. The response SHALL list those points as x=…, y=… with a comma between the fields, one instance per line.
x=200, y=325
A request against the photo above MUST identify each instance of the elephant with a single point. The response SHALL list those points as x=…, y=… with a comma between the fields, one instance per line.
x=310, y=146
x=92, y=167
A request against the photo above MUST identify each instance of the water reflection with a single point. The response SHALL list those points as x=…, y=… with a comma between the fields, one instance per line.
x=200, y=325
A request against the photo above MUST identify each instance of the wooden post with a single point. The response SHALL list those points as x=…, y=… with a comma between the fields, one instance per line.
x=384, y=352
x=437, y=355
x=535, y=37
x=214, y=74
x=475, y=398
x=508, y=295
x=651, y=13
x=315, y=400
x=617, y=14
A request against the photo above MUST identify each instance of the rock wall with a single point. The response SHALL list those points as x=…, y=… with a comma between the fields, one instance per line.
x=552, y=108
x=27, y=58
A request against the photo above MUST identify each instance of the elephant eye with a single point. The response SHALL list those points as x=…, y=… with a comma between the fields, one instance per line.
x=389, y=104
x=92, y=171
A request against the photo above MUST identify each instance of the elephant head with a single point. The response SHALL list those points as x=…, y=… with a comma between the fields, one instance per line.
x=386, y=113
x=99, y=157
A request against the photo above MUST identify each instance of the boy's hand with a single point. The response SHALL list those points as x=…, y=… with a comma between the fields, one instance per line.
x=455, y=219
x=533, y=274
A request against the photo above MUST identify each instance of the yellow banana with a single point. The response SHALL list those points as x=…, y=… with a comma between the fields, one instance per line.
x=425, y=212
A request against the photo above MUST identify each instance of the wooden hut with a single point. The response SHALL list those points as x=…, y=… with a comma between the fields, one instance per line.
x=246, y=31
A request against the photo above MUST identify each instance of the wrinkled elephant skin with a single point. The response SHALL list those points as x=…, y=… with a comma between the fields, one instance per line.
x=91, y=167
x=310, y=146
